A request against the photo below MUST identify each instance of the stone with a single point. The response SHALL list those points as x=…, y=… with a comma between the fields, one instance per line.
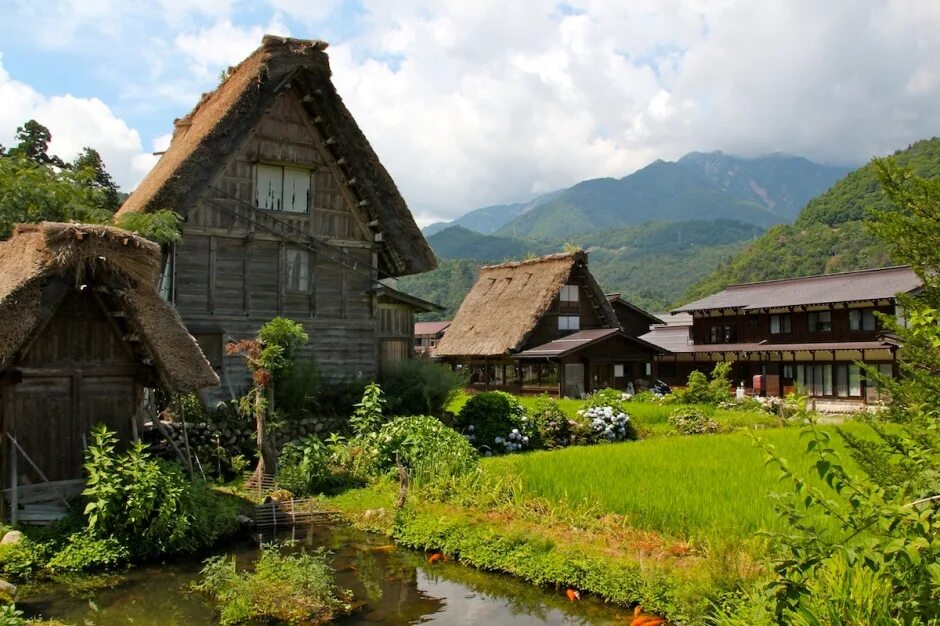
x=319, y=427
x=12, y=537
x=7, y=591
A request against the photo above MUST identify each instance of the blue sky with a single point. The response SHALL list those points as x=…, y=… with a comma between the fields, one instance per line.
x=470, y=104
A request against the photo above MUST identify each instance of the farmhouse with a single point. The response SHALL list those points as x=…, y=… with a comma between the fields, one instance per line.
x=289, y=212
x=544, y=325
x=428, y=335
x=84, y=333
x=809, y=332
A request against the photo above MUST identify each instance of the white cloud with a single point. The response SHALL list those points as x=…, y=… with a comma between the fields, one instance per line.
x=74, y=123
x=214, y=48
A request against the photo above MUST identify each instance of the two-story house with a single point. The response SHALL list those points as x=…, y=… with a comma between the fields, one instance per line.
x=288, y=212
x=809, y=332
x=545, y=325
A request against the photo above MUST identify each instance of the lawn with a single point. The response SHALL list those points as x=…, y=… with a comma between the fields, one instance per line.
x=691, y=487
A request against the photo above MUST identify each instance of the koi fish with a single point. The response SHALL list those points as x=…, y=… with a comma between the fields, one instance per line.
x=645, y=620
x=572, y=594
x=434, y=558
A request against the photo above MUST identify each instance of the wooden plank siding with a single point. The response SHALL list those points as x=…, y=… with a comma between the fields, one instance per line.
x=230, y=270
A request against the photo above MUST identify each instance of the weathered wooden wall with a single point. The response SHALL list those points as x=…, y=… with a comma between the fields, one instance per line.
x=230, y=270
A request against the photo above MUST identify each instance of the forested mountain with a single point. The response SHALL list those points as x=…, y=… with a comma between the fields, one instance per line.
x=829, y=235
x=649, y=264
x=701, y=185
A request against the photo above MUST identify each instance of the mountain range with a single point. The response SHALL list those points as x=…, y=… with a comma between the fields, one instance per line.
x=654, y=235
x=763, y=191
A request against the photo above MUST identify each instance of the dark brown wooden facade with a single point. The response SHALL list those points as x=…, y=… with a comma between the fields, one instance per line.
x=287, y=213
x=811, y=333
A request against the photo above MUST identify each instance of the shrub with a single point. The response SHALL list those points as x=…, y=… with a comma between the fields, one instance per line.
x=21, y=561
x=420, y=387
x=701, y=390
x=306, y=467
x=608, y=417
x=692, y=422
x=294, y=589
x=367, y=418
x=424, y=445
x=489, y=420
x=85, y=553
x=554, y=429
x=11, y=616
x=608, y=424
x=147, y=504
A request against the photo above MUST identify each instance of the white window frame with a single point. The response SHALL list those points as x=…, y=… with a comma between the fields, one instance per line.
x=569, y=322
x=283, y=179
x=301, y=265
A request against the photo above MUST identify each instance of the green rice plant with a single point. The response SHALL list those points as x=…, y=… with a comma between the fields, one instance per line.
x=691, y=487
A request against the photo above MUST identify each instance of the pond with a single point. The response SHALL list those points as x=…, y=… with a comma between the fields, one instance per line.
x=393, y=585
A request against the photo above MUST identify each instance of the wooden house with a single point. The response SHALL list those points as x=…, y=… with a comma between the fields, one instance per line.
x=288, y=212
x=543, y=325
x=84, y=333
x=428, y=335
x=801, y=332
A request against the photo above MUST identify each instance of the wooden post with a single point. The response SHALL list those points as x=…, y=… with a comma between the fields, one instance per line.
x=281, y=275
x=246, y=283
x=213, y=245
x=345, y=286
x=14, y=488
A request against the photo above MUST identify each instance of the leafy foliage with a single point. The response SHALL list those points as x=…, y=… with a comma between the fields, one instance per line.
x=692, y=421
x=424, y=445
x=489, y=418
x=161, y=226
x=291, y=589
x=554, y=428
x=83, y=552
x=700, y=390
x=146, y=504
x=367, y=418
x=420, y=387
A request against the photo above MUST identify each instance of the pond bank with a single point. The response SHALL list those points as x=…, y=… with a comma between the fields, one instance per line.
x=391, y=586
x=599, y=556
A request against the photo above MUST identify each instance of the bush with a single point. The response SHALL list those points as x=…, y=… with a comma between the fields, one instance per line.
x=147, y=504
x=306, y=467
x=21, y=561
x=495, y=422
x=420, y=387
x=692, y=422
x=554, y=429
x=294, y=589
x=608, y=418
x=422, y=444
x=701, y=390
x=85, y=553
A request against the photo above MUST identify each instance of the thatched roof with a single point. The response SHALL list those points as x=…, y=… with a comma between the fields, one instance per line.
x=38, y=254
x=507, y=302
x=211, y=132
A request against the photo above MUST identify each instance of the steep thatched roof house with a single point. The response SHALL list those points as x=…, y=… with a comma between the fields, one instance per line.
x=543, y=325
x=288, y=212
x=84, y=333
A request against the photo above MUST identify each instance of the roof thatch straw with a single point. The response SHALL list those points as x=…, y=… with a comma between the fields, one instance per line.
x=71, y=254
x=204, y=140
x=507, y=302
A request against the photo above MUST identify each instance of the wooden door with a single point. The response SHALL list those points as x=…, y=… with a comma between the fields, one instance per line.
x=109, y=400
x=43, y=425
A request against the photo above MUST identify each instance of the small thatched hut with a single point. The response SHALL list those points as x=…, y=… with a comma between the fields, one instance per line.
x=543, y=325
x=288, y=211
x=84, y=333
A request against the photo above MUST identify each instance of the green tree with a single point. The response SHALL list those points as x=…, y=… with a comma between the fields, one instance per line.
x=270, y=357
x=33, y=143
x=95, y=176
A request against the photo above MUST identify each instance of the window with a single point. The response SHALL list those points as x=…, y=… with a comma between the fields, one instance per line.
x=788, y=372
x=618, y=370
x=569, y=322
x=780, y=324
x=862, y=319
x=569, y=293
x=298, y=270
x=280, y=188
x=820, y=321
x=722, y=333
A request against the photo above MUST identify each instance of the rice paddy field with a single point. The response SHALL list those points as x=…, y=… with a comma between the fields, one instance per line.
x=693, y=487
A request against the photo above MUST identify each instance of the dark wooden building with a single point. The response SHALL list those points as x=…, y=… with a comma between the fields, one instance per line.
x=809, y=332
x=288, y=212
x=84, y=333
x=544, y=325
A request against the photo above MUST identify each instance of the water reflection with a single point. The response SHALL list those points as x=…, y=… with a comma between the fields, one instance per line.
x=391, y=586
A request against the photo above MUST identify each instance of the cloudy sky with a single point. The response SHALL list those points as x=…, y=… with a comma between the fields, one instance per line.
x=491, y=101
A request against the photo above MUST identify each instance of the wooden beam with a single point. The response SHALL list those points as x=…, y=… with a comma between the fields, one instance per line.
x=213, y=245
x=281, y=275
x=344, y=310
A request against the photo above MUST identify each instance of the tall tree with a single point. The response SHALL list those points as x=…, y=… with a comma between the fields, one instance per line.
x=90, y=166
x=33, y=143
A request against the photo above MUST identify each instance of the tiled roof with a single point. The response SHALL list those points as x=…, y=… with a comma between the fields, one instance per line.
x=875, y=284
x=430, y=328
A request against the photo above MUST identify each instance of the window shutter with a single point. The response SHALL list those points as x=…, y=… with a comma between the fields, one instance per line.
x=296, y=189
x=269, y=190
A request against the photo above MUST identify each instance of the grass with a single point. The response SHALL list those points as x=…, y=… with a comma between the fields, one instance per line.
x=691, y=487
x=650, y=418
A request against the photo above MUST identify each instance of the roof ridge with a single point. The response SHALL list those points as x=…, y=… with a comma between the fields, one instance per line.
x=555, y=256
x=814, y=276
